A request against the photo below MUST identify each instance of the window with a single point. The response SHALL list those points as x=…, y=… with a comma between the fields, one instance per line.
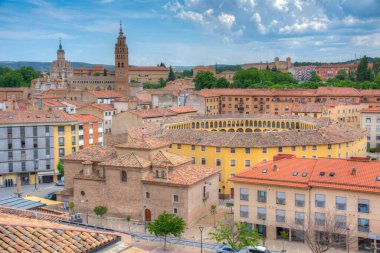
x=363, y=225
x=61, y=152
x=314, y=147
x=203, y=148
x=73, y=140
x=279, y=149
x=124, y=176
x=217, y=149
x=61, y=130
x=304, y=148
x=247, y=150
x=61, y=141
x=368, y=120
x=179, y=146
x=147, y=195
x=244, y=192
x=329, y=146
x=175, y=198
x=10, y=167
x=23, y=166
x=10, y=156
x=22, y=143
x=320, y=219
x=340, y=221
x=265, y=150
x=261, y=213
x=34, y=131
x=10, y=146
x=280, y=198
x=299, y=218
x=244, y=211
x=232, y=151
x=23, y=154
x=363, y=206
x=280, y=215
x=192, y=147
x=247, y=163
x=294, y=148
x=73, y=129
x=73, y=150
x=193, y=160
x=300, y=200
x=48, y=166
x=35, y=153
x=9, y=132
x=175, y=210
x=320, y=200
x=218, y=162
x=80, y=127
x=35, y=143
x=203, y=161
x=341, y=203
x=22, y=132
x=261, y=196
x=232, y=163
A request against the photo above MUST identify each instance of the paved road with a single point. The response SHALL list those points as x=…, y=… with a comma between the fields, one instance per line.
x=42, y=190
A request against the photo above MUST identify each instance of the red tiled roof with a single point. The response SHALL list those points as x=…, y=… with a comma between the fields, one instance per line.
x=322, y=172
x=93, y=153
x=45, y=96
x=37, y=116
x=295, y=92
x=147, y=68
x=182, y=109
x=75, y=102
x=143, y=143
x=53, y=103
x=144, y=97
x=337, y=91
x=104, y=107
x=105, y=94
x=370, y=110
x=152, y=113
x=86, y=118
x=370, y=92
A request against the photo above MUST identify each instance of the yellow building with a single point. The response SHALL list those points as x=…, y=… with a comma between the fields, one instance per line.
x=31, y=144
x=235, y=144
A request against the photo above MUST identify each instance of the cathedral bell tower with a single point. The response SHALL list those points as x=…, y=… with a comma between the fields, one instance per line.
x=121, y=65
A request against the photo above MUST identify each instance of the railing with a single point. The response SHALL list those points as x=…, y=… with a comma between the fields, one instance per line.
x=262, y=199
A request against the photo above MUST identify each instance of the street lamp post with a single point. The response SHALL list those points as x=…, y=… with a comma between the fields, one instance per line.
x=201, y=229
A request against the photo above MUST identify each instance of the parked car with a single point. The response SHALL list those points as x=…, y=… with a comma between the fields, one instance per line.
x=51, y=196
x=228, y=248
x=258, y=249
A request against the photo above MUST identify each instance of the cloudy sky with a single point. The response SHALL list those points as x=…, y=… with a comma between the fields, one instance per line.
x=190, y=32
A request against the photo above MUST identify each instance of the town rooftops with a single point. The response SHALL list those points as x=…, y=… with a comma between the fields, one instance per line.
x=309, y=108
x=105, y=94
x=142, y=142
x=93, y=153
x=147, y=68
x=164, y=159
x=45, y=96
x=21, y=234
x=181, y=109
x=152, y=113
x=86, y=118
x=370, y=110
x=37, y=116
x=328, y=173
x=104, y=107
x=130, y=160
x=338, y=92
x=53, y=103
x=74, y=102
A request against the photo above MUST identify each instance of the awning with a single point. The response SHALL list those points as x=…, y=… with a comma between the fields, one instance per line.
x=47, y=202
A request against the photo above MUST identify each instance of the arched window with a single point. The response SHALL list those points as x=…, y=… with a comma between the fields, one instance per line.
x=122, y=64
x=124, y=176
x=118, y=64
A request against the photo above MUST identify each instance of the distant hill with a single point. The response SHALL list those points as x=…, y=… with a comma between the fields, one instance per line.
x=297, y=63
x=45, y=66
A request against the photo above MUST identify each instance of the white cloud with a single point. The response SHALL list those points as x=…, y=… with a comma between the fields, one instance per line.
x=281, y=5
x=226, y=19
x=257, y=18
x=190, y=15
x=173, y=6
x=247, y=5
x=372, y=40
x=209, y=12
x=298, y=4
x=305, y=25
x=350, y=20
x=191, y=2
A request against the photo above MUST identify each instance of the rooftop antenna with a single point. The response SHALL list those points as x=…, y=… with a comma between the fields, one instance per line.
x=121, y=28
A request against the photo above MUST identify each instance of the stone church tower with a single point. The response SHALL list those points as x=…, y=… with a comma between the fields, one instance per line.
x=61, y=68
x=121, y=65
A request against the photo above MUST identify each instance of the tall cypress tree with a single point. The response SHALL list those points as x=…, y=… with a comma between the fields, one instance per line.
x=362, y=72
x=171, y=74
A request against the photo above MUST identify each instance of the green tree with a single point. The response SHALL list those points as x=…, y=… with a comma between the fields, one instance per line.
x=71, y=206
x=11, y=79
x=376, y=66
x=314, y=77
x=284, y=235
x=162, y=65
x=342, y=75
x=222, y=83
x=104, y=72
x=28, y=74
x=171, y=74
x=204, y=80
x=61, y=168
x=162, y=82
x=238, y=235
x=100, y=211
x=377, y=78
x=213, y=212
x=362, y=73
x=186, y=73
x=167, y=224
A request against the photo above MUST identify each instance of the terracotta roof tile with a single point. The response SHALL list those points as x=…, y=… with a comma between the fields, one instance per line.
x=370, y=110
x=86, y=118
x=182, y=109
x=75, y=102
x=337, y=91
x=105, y=94
x=147, y=68
x=164, y=159
x=35, y=116
x=152, y=113
x=93, y=153
x=144, y=97
x=130, y=160
x=322, y=172
x=104, y=107
x=53, y=103
x=143, y=143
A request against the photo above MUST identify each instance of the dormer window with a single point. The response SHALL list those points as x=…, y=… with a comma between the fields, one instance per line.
x=124, y=176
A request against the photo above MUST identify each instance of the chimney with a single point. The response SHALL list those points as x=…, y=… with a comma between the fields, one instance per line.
x=353, y=172
x=275, y=167
x=87, y=168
